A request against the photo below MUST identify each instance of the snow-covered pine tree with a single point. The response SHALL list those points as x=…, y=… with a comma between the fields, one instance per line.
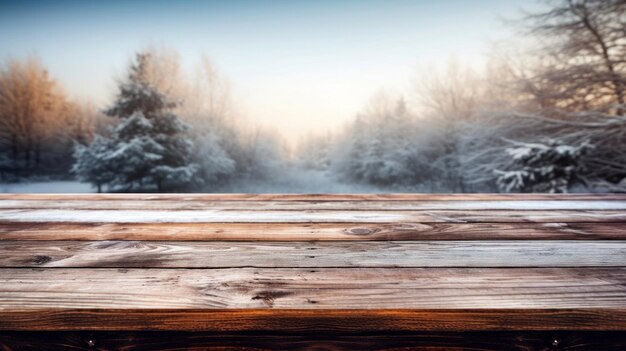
x=150, y=146
x=350, y=163
x=552, y=167
x=149, y=149
x=89, y=165
x=214, y=163
x=384, y=144
x=313, y=152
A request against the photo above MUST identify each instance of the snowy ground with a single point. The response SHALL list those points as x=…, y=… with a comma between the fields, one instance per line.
x=296, y=181
x=289, y=181
x=314, y=182
x=46, y=187
x=301, y=181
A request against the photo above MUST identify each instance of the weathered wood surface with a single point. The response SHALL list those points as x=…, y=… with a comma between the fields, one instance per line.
x=309, y=216
x=309, y=232
x=440, y=271
x=172, y=205
x=172, y=254
x=324, y=288
x=301, y=321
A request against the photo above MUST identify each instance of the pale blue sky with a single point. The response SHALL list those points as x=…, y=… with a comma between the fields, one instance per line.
x=295, y=65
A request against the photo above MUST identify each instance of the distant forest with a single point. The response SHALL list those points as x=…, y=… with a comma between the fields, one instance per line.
x=546, y=118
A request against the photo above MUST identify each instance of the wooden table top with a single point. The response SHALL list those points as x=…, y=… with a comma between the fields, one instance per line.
x=236, y=262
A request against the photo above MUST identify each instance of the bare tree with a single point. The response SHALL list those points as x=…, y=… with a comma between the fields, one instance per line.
x=209, y=97
x=584, y=55
x=163, y=71
x=33, y=108
x=449, y=99
x=454, y=93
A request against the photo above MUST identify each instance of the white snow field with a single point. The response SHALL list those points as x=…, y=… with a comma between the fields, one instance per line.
x=60, y=186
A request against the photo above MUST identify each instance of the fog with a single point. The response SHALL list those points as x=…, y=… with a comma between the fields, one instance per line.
x=543, y=112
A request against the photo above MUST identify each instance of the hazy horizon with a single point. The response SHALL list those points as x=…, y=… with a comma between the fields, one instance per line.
x=297, y=67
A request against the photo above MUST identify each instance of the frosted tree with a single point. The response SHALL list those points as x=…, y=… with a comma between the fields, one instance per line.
x=263, y=155
x=389, y=144
x=552, y=167
x=314, y=152
x=214, y=164
x=485, y=142
x=90, y=165
x=450, y=99
x=377, y=147
x=148, y=150
x=348, y=153
x=210, y=110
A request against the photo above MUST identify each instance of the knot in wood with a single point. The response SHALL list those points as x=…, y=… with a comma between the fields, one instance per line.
x=41, y=259
x=359, y=231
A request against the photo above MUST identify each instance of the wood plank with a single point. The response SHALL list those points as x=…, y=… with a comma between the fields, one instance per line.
x=296, y=263
x=323, y=288
x=319, y=216
x=318, y=197
x=311, y=231
x=170, y=205
x=312, y=340
x=170, y=254
x=306, y=320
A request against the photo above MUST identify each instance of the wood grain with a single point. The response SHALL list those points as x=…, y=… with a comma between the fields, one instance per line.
x=323, y=288
x=263, y=341
x=173, y=205
x=298, y=271
x=308, y=232
x=310, y=216
x=172, y=254
x=307, y=320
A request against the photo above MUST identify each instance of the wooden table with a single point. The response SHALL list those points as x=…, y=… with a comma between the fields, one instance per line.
x=323, y=272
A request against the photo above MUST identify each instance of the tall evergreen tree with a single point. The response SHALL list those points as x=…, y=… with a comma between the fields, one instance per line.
x=89, y=165
x=149, y=149
x=552, y=167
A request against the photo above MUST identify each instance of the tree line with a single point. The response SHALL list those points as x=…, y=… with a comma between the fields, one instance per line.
x=162, y=132
x=550, y=118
